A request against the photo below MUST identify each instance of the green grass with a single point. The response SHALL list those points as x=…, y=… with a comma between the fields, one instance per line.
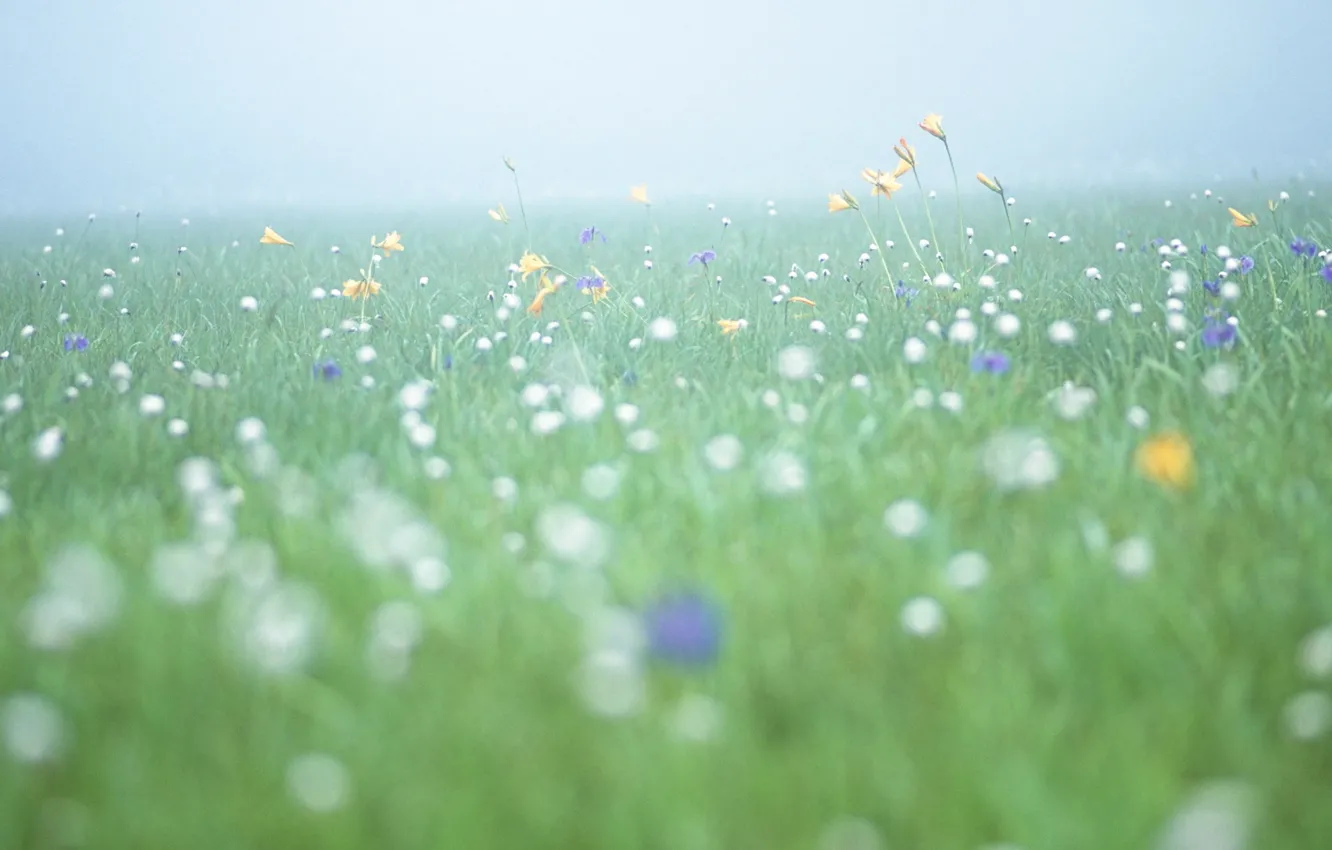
x=1064, y=704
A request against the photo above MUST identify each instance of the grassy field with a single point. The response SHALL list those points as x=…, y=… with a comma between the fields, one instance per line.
x=609, y=577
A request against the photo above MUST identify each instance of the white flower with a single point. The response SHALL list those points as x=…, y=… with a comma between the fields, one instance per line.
x=1062, y=332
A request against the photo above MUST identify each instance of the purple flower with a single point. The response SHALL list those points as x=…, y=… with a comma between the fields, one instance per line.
x=76, y=342
x=327, y=369
x=1246, y=264
x=703, y=257
x=1217, y=332
x=901, y=291
x=683, y=628
x=1302, y=247
x=1326, y=273
x=590, y=233
x=1202, y=249
x=1213, y=287
x=590, y=282
x=992, y=362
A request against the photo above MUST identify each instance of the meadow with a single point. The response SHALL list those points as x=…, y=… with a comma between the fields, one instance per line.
x=757, y=535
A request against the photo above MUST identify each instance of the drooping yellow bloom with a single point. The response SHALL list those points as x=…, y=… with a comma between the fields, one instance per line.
x=730, y=327
x=800, y=299
x=598, y=287
x=501, y=215
x=1166, y=459
x=530, y=262
x=933, y=124
x=391, y=243
x=989, y=183
x=362, y=288
x=270, y=237
x=639, y=194
x=1242, y=220
x=540, y=300
x=881, y=182
x=902, y=168
x=906, y=153
x=844, y=201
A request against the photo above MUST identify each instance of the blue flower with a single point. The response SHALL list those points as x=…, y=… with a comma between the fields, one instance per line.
x=703, y=257
x=76, y=342
x=1202, y=249
x=683, y=628
x=1217, y=332
x=1213, y=287
x=1326, y=273
x=903, y=292
x=1246, y=264
x=590, y=233
x=327, y=369
x=992, y=362
x=590, y=282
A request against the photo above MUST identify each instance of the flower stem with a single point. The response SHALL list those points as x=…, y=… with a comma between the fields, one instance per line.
x=522, y=210
x=957, y=194
x=929, y=216
x=878, y=246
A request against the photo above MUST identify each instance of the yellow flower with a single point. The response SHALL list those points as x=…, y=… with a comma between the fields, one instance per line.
x=391, y=243
x=730, y=327
x=881, y=182
x=532, y=263
x=639, y=194
x=844, y=201
x=933, y=124
x=906, y=153
x=270, y=237
x=800, y=299
x=501, y=215
x=902, y=168
x=539, y=301
x=597, y=290
x=1242, y=220
x=1166, y=459
x=990, y=183
x=1271, y=205
x=362, y=288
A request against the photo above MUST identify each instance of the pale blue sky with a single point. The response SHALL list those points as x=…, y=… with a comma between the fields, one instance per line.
x=163, y=104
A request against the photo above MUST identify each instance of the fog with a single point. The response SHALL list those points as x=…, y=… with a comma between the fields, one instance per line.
x=162, y=104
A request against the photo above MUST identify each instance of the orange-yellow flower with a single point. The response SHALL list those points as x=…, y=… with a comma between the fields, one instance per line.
x=639, y=194
x=270, y=237
x=838, y=203
x=391, y=243
x=530, y=262
x=1166, y=459
x=598, y=286
x=501, y=215
x=1242, y=220
x=990, y=183
x=730, y=327
x=933, y=124
x=539, y=301
x=360, y=288
x=800, y=299
x=906, y=153
x=881, y=182
x=902, y=168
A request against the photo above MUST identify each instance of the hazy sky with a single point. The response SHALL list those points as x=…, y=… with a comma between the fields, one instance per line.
x=159, y=104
